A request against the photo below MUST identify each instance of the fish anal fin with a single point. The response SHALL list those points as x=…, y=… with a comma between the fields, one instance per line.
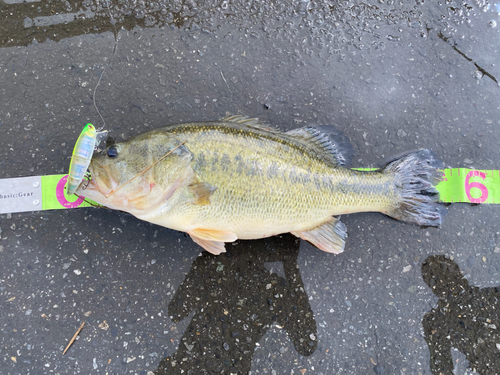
x=326, y=141
x=213, y=247
x=213, y=235
x=329, y=237
x=202, y=192
x=248, y=121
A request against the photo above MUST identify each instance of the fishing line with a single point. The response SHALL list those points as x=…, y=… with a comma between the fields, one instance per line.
x=116, y=36
x=91, y=203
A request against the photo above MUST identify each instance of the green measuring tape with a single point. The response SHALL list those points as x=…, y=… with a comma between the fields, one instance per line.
x=23, y=194
x=470, y=186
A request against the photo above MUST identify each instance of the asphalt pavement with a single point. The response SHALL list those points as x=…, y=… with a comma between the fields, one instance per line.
x=392, y=76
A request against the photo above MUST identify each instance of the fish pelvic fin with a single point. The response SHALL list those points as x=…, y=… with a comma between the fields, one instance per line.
x=212, y=240
x=213, y=234
x=329, y=237
x=327, y=142
x=416, y=175
x=213, y=247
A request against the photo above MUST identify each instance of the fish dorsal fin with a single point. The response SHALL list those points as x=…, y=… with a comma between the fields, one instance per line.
x=249, y=121
x=326, y=141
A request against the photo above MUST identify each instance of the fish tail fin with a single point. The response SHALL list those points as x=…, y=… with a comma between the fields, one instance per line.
x=416, y=175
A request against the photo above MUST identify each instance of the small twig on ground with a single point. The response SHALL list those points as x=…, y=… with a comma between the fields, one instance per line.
x=222, y=75
x=74, y=337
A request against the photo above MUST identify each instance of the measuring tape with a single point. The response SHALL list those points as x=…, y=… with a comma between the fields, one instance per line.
x=40, y=193
x=470, y=186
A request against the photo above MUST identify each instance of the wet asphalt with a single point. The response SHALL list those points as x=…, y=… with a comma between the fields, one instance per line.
x=392, y=76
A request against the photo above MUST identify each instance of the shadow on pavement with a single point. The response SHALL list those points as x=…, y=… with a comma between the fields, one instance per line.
x=235, y=298
x=466, y=318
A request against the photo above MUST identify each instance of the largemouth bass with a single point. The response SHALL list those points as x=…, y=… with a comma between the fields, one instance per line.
x=237, y=178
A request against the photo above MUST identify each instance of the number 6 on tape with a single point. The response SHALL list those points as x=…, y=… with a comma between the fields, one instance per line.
x=470, y=186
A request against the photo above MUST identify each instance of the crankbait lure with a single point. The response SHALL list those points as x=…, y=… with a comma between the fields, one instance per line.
x=82, y=154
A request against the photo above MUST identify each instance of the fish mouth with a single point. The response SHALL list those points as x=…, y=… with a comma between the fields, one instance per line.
x=100, y=180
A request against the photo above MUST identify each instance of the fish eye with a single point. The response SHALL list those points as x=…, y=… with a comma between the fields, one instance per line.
x=112, y=151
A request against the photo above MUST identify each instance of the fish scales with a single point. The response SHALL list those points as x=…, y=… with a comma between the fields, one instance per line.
x=235, y=178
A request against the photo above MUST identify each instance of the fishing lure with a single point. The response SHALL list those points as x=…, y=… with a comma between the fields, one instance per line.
x=82, y=154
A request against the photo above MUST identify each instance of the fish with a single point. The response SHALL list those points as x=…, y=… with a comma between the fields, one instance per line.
x=238, y=178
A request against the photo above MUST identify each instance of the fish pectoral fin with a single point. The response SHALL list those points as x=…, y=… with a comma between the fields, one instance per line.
x=202, y=192
x=213, y=235
x=329, y=237
x=213, y=247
